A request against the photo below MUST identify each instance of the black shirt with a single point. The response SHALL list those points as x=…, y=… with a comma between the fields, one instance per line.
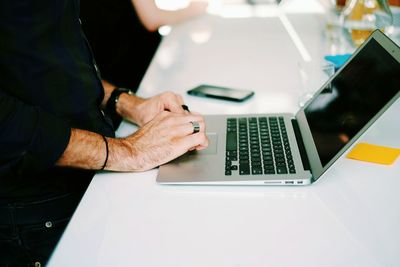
x=48, y=85
x=122, y=46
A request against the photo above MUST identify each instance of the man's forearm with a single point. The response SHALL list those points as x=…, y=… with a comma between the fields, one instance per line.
x=88, y=150
x=164, y=138
x=108, y=88
x=85, y=150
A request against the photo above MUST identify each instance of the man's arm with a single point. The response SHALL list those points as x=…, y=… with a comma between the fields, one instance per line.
x=85, y=150
x=108, y=89
x=166, y=137
x=31, y=140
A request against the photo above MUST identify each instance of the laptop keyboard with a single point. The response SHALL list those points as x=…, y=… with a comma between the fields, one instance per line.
x=257, y=146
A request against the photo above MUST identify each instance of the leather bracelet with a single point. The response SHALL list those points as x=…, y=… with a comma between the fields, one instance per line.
x=114, y=98
x=105, y=162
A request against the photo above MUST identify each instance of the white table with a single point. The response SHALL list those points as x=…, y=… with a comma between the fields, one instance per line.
x=350, y=217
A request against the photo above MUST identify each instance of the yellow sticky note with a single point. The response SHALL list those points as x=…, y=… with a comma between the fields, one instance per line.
x=374, y=153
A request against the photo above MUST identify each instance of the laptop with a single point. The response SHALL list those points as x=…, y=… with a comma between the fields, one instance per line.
x=296, y=149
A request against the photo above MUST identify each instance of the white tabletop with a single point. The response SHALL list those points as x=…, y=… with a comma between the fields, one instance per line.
x=350, y=217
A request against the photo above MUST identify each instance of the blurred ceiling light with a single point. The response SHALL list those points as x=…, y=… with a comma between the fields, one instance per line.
x=171, y=4
x=164, y=30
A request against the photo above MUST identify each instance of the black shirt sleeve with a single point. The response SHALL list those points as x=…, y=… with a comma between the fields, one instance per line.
x=30, y=138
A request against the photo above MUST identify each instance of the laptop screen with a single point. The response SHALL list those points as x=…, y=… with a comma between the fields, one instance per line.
x=352, y=99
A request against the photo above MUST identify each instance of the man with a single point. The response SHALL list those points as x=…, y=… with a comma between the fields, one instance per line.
x=54, y=132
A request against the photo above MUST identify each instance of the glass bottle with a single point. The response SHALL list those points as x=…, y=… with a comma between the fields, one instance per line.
x=361, y=17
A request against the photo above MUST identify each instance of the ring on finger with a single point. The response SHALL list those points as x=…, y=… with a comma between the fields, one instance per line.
x=196, y=126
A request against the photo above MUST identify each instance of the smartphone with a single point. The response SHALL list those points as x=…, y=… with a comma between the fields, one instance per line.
x=219, y=92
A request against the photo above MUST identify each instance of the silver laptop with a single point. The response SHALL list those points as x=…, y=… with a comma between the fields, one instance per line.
x=288, y=149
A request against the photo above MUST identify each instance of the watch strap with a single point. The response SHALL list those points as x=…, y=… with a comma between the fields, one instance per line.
x=114, y=98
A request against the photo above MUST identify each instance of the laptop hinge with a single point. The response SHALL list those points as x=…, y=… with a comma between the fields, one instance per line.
x=300, y=144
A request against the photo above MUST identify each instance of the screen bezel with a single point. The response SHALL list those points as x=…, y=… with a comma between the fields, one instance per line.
x=315, y=163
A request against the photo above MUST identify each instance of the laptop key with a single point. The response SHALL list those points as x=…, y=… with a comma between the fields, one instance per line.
x=231, y=141
x=244, y=157
x=268, y=158
x=269, y=171
x=244, y=152
x=245, y=171
x=243, y=161
x=255, y=163
x=231, y=153
x=256, y=171
x=268, y=163
x=281, y=170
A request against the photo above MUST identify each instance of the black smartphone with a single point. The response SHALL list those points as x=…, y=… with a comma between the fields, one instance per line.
x=219, y=92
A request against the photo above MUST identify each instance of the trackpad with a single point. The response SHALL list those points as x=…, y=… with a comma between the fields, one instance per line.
x=212, y=145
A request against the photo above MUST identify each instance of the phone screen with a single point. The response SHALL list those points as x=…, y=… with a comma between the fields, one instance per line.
x=221, y=92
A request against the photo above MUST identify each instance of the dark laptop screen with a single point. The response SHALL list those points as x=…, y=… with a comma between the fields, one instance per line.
x=353, y=98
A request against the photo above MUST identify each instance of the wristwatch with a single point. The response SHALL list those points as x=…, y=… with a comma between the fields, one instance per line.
x=113, y=100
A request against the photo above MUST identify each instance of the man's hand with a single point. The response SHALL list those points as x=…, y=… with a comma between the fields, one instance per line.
x=141, y=111
x=163, y=139
x=166, y=137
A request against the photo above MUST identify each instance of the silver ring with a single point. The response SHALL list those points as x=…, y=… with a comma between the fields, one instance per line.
x=196, y=126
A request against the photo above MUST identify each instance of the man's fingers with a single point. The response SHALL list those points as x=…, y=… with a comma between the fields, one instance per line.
x=172, y=102
x=178, y=119
x=194, y=140
x=167, y=136
x=175, y=107
x=200, y=147
x=185, y=144
x=190, y=117
x=186, y=129
x=180, y=99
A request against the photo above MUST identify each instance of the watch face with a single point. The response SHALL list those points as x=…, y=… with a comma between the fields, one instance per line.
x=123, y=90
x=120, y=91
